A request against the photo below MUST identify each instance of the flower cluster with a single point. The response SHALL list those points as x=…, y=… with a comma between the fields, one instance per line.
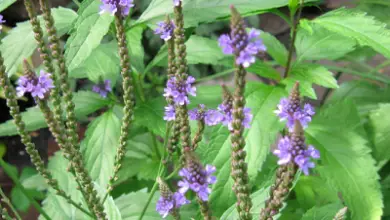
x=1, y=22
x=166, y=204
x=103, y=88
x=296, y=151
x=179, y=90
x=211, y=117
x=112, y=6
x=247, y=49
x=176, y=2
x=227, y=120
x=291, y=111
x=197, y=178
x=165, y=30
x=37, y=86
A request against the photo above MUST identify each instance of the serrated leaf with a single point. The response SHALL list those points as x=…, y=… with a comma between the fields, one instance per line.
x=365, y=95
x=4, y=4
x=102, y=63
x=275, y=48
x=88, y=30
x=322, y=213
x=136, y=50
x=205, y=10
x=19, y=43
x=346, y=163
x=100, y=146
x=58, y=208
x=379, y=121
x=356, y=25
x=86, y=102
x=262, y=100
x=320, y=44
x=307, y=74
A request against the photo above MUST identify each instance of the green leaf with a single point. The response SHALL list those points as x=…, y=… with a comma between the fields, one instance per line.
x=86, y=102
x=365, y=95
x=136, y=50
x=265, y=125
x=356, y=25
x=100, y=145
x=258, y=199
x=88, y=30
x=199, y=50
x=57, y=207
x=4, y=4
x=264, y=70
x=103, y=63
x=20, y=44
x=19, y=200
x=346, y=163
x=379, y=123
x=35, y=182
x=307, y=74
x=324, y=212
x=199, y=11
x=274, y=48
x=320, y=44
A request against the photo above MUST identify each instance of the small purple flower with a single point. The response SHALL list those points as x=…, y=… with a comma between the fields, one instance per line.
x=227, y=119
x=165, y=205
x=176, y=2
x=300, y=155
x=170, y=113
x=111, y=6
x=1, y=22
x=179, y=90
x=103, y=88
x=225, y=42
x=165, y=30
x=289, y=113
x=197, y=180
x=248, y=49
x=37, y=86
x=213, y=117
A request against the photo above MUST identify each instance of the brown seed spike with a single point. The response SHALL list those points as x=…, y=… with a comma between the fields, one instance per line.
x=28, y=70
x=298, y=129
x=164, y=189
x=295, y=99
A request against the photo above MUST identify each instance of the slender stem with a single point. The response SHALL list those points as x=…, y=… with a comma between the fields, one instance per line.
x=380, y=66
x=376, y=77
x=152, y=192
x=328, y=90
x=217, y=75
x=77, y=3
x=24, y=191
x=155, y=146
x=6, y=201
x=294, y=35
x=173, y=173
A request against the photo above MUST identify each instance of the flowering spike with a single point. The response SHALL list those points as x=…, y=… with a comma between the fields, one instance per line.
x=103, y=88
x=114, y=6
x=169, y=203
x=165, y=29
x=290, y=109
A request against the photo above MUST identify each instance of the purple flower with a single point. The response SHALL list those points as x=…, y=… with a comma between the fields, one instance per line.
x=165, y=205
x=213, y=117
x=170, y=113
x=289, y=113
x=1, y=22
x=248, y=49
x=112, y=6
x=225, y=42
x=179, y=90
x=227, y=119
x=289, y=151
x=37, y=86
x=165, y=30
x=103, y=88
x=176, y=2
x=197, y=179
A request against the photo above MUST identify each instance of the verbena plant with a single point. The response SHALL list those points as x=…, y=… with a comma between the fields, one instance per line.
x=252, y=150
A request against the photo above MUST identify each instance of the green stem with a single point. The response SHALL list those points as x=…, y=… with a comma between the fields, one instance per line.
x=77, y=3
x=24, y=191
x=217, y=75
x=294, y=35
x=154, y=189
x=376, y=77
x=173, y=173
x=6, y=201
x=155, y=146
x=380, y=66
